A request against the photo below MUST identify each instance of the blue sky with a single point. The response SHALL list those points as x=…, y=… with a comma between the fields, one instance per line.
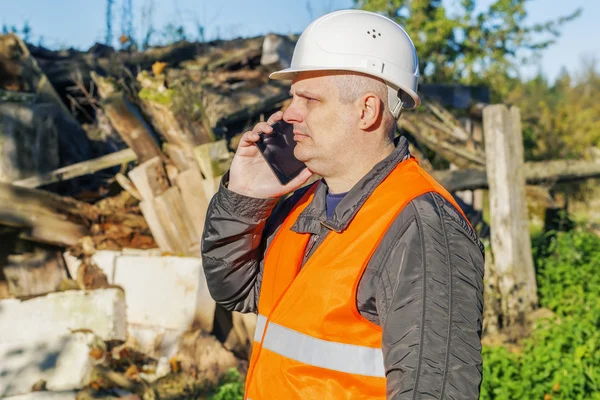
x=81, y=23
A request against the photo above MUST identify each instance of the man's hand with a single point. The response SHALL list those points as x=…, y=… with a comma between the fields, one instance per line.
x=251, y=176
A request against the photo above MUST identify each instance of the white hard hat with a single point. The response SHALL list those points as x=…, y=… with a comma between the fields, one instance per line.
x=360, y=41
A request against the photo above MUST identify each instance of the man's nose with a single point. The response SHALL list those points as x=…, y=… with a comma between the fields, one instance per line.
x=292, y=114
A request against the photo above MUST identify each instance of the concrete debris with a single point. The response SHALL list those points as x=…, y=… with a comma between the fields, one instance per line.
x=55, y=364
x=170, y=283
x=56, y=314
x=154, y=286
x=180, y=281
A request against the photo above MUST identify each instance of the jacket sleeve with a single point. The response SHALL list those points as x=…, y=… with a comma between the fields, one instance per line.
x=430, y=303
x=237, y=231
x=232, y=247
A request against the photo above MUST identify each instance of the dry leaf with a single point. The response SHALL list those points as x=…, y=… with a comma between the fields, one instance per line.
x=158, y=67
x=174, y=364
x=96, y=384
x=96, y=354
x=132, y=372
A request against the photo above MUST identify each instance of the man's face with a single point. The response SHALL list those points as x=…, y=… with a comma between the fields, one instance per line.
x=323, y=126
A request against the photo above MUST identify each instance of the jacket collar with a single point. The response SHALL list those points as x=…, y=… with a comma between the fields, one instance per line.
x=314, y=215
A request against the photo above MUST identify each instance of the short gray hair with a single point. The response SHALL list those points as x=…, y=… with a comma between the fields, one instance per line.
x=351, y=85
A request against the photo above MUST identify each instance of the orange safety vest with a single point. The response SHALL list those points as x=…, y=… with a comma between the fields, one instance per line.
x=310, y=340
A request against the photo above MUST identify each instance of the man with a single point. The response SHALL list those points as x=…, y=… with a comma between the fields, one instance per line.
x=368, y=283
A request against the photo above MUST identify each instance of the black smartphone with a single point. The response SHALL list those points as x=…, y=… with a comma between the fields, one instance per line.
x=277, y=148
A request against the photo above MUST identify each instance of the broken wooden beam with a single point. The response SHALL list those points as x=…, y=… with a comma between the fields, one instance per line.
x=537, y=172
x=192, y=189
x=455, y=154
x=131, y=126
x=99, y=164
x=45, y=217
x=36, y=224
x=176, y=223
x=150, y=180
x=78, y=169
x=50, y=203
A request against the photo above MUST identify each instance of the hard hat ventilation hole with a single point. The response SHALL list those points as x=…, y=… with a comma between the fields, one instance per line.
x=375, y=34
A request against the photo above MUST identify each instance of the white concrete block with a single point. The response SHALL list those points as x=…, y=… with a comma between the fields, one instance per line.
x=104, y=259
x=103, y=312
x=66, y=395
x=62, y=362
x=166, y=292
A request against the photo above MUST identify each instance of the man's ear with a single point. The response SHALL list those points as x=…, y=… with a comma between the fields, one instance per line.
x=370, y=107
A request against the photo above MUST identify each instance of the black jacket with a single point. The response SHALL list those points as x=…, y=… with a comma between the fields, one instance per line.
x=423, y=285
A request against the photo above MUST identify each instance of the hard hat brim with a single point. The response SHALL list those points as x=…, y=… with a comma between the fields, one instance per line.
x=412, y=102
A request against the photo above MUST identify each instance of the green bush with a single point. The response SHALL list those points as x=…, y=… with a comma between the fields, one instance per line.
x=231, y=388
x=568, y=272
x=561, y=358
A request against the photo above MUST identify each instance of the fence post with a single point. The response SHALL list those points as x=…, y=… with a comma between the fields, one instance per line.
x=510, y=241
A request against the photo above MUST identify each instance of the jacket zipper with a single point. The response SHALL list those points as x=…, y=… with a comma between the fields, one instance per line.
x=311, y=244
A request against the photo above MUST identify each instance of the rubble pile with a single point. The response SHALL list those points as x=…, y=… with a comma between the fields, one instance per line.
x=108, y=162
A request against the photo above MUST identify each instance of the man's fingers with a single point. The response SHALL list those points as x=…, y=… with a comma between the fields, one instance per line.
x=248, y=139
x=262, y=127
x=275, y=117
x=252, y=136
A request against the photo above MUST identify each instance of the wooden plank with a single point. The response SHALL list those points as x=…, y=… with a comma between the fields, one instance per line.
x=129, y=123
x=158, y=232
x=78, y=169
x=41, y=202
x=126, y=184
x=178, y=157
x=150, y=178
x=49, y=218
x=171, y=213
x=191, y=187
x=98, y=164
x=511, y=243
x=453, y=153
x=39, y=225
x=537, y=172
x=455, y=129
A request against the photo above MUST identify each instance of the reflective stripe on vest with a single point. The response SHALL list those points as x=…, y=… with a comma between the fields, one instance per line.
x=342, y=357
